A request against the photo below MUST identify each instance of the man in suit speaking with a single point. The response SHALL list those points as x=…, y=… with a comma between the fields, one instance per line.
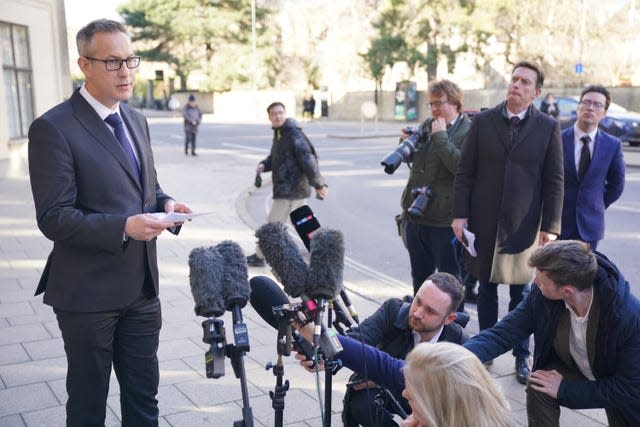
x=593, y=169
x=94, y=183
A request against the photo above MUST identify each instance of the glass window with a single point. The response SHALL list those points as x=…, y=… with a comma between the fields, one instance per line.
x=16, y=76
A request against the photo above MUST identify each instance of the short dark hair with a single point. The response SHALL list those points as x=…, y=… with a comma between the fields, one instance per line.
x=533, y=67
x=450, y=90
x=86, y=33
x=598, y=89
x=275, y=104
x=566, y=262
x=449, y=284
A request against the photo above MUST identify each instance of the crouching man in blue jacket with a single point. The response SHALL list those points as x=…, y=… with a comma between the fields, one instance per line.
x=586, y=326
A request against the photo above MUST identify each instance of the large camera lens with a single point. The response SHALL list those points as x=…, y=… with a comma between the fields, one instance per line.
x=402, y=153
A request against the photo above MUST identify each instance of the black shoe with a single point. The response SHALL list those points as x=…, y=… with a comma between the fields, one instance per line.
x=522, y=369
x=193, y=154
x=470, y=295
x=255, y=261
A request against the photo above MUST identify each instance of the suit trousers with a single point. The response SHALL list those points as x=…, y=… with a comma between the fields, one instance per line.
x=488, y=309
x=127, y=339
x=430, y=248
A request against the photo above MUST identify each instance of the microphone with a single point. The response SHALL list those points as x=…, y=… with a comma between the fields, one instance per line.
x=235, y=288
x=205, y=274
x=306, y=223
x=265, y=295
x=235, y=284
x=325, y=271
x=283, y=256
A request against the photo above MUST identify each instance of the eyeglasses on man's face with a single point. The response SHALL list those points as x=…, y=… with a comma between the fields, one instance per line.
x=113, y=64
x=436, y=104
x=596, y=105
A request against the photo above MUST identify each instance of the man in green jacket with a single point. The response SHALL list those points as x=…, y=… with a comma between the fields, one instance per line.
x=434, y=162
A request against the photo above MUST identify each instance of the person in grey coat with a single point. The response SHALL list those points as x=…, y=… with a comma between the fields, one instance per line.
x=192, y=118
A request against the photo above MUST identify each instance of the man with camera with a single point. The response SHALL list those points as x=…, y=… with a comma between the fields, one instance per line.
x=294, y=165
x=428, y=197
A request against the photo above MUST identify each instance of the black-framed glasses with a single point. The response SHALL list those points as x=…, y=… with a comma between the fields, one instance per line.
x=596, y=105
x=436, y=104
x=116, y=64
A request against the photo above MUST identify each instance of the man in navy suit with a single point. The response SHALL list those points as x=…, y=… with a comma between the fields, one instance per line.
x=94, y=184
x=593, y=169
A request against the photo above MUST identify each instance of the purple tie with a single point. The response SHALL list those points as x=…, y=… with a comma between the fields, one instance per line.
x=116, y=123
x=514, y=121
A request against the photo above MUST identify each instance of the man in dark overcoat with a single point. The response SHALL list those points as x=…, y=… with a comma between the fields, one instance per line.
x=508, y=192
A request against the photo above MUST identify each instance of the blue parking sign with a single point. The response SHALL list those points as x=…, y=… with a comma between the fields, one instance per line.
x=579, y=68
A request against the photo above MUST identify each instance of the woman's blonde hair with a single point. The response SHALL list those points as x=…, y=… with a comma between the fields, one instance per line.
x=451, y=388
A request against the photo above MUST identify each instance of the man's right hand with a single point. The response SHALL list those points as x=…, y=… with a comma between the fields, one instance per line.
x=145, y=227
x=458, y=225
x=260, y=168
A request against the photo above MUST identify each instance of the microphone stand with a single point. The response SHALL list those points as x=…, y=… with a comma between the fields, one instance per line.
x=331, y=367
x=280, y=391
x=236, y=353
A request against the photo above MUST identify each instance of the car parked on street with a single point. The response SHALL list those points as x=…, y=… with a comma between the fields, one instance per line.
x=618, y=122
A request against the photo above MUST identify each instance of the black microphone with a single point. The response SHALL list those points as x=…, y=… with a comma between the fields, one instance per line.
x=283, y=256
x=326, y=264
x=205, y=275
x=265, y=295
x=205, y=278
x=306, y=223
x=235, y=289
x=325, y=271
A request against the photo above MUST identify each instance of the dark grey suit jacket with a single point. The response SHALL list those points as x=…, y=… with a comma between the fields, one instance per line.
x=84, y=189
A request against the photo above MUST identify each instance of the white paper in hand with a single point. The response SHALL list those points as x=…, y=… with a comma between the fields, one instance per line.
x=469, y=242
x=176, y=216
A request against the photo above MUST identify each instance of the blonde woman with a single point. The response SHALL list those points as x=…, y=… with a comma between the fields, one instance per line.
x=447, y=386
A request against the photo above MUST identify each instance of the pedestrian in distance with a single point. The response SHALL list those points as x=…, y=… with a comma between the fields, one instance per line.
x=192, y=117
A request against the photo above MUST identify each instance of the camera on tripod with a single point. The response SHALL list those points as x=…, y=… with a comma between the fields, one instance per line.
x=421, y=196
x=403, y=152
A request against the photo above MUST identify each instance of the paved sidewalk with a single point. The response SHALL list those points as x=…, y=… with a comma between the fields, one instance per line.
x=32, y=361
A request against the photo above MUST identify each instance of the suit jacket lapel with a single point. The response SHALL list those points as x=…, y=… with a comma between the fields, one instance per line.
x=502, y=127
x=90, y=120
x=137, y=133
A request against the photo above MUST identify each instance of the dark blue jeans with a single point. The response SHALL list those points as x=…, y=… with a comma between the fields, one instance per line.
x=429, y=248
x=488, y=309
x=128, y=339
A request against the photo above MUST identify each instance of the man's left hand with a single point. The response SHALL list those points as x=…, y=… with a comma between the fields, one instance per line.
x=438, y=125
x=547, y=382
x=546, y=237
